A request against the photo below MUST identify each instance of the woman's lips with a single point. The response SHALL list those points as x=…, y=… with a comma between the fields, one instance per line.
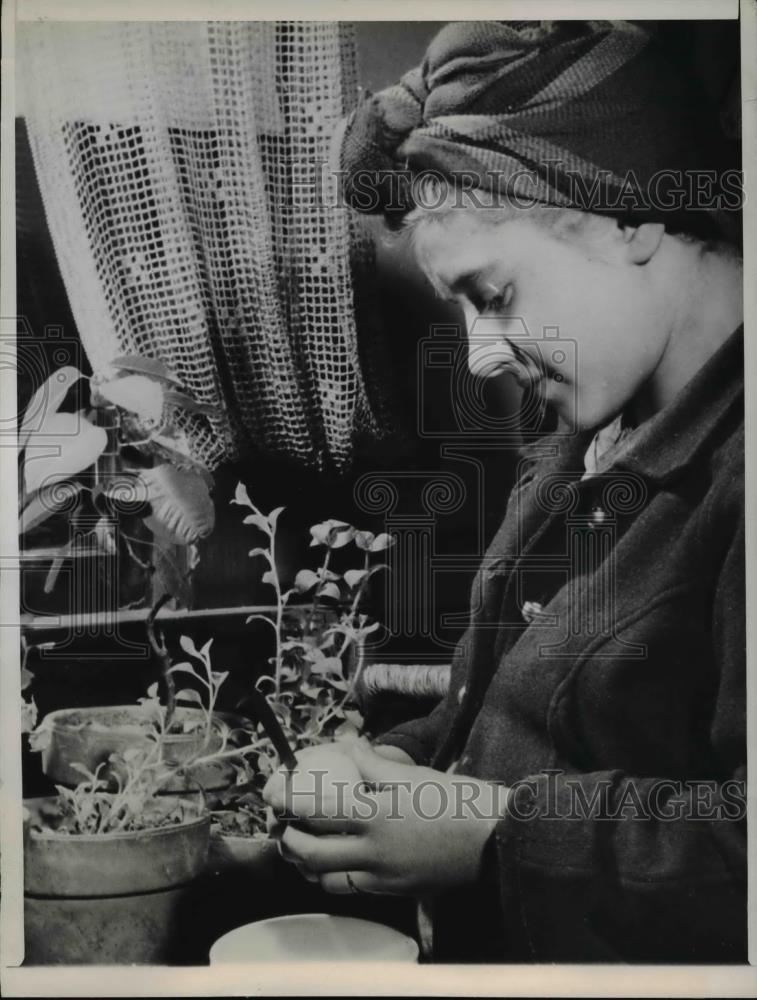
x=526, y=378
x=491, y=363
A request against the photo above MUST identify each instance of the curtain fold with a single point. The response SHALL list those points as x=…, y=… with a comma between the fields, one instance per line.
x=179, y=167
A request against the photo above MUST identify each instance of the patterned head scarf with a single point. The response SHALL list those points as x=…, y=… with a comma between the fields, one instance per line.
x=541, y=111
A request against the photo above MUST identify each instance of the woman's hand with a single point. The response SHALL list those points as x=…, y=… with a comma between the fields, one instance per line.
x=408, y=830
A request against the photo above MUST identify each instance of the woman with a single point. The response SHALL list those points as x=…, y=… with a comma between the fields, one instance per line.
x=578, y=795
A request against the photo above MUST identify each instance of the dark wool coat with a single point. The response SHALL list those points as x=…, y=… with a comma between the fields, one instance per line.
x=619, y=712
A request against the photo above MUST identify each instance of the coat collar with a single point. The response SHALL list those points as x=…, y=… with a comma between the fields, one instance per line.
x=671, y=439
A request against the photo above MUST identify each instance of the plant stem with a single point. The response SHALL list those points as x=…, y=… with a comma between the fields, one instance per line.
x=160, y=650
x=356, y=604
x=279, y=609
x=358, y=671
x=223, y=755
x=321, y=576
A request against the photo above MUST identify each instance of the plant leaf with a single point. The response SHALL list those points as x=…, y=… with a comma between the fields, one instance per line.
x=71, y=444
x=364, y=540
x=260, y=521
x=339, y=684
x=329, y=590
x=46, y=400
x=241, y=496
x=81, y=768
x=182, y=510
x=353, y=577
x=376, y=567
x=328, y=665
x=181, y=400
x=137, y=394
x=305, y=580
x=47, y=502
x=381, y=542
x=269, y=577
x=257, y=552
x=332, y=533
x=264, y=618
x=145, y=366
x=187, y=643
x=125, y=487
x=175, y=450
x=183, y=668
x=341, y=537
x=274, y=516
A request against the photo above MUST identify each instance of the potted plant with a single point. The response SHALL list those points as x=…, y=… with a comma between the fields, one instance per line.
x=115, y=477
x=190, y=726
x=108, y=863
x=316, y=667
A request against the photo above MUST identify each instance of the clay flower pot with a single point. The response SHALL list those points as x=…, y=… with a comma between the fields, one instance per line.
x=108, y=898
x=255, y=856
x=89, y=736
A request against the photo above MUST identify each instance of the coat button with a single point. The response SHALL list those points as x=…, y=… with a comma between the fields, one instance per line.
x=598, y=515
x=461, y=694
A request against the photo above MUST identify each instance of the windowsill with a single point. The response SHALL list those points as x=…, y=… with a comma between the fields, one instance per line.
x=104, y=618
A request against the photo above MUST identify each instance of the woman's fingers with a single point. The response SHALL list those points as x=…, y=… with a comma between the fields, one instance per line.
x=335, y=812
x=323, y=825
x=273, y=825
x=323, y=853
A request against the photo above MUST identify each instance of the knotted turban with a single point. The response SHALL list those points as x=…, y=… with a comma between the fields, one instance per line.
x=536, y=110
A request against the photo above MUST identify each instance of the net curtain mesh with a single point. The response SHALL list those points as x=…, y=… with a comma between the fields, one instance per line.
x=176, y=163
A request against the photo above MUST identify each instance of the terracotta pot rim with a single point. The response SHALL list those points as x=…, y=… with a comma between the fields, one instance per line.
x=56, y=720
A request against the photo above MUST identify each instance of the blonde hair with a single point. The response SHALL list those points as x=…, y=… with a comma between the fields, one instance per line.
x=436, y=199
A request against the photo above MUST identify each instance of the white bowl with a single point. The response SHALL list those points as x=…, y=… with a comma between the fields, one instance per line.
x=313, y=937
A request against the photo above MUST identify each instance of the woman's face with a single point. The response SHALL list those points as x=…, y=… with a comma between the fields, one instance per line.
x=574, y=316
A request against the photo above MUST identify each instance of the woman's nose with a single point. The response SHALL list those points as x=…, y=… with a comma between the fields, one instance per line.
x=487, y=346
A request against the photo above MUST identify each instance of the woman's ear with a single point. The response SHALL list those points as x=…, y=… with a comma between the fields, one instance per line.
x=642, y=242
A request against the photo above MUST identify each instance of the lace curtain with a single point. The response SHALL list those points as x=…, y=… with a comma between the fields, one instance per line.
x=177, y=164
